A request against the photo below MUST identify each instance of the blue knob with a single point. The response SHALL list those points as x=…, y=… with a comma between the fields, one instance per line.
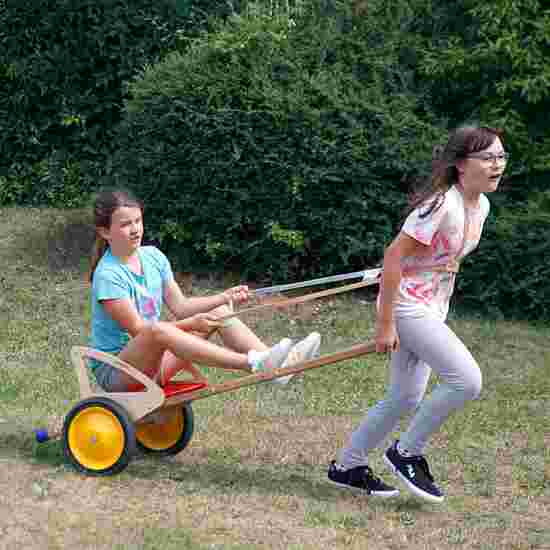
x=41, y=435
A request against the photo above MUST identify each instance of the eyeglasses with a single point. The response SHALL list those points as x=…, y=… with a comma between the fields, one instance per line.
x=488, y=157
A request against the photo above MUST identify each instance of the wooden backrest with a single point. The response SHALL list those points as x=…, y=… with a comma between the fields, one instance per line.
x=137, y=403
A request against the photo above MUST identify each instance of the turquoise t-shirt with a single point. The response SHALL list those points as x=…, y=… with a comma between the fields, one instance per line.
x=113, y=279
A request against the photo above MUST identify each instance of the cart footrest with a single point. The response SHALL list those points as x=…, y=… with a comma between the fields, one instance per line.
x=177, y=388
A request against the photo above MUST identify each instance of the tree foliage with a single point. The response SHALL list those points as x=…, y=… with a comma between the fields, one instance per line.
x=277, y=144
x=64, y=69
x=489, y=62
x=495, y=68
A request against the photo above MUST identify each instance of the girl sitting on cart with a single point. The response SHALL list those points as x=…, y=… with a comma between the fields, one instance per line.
x=130, y=282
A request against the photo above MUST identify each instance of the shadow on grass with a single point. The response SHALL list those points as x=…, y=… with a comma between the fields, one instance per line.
x=59, y=242
x=232, y=477
x=269, y=480
x=69, y=244
x=24, y=448
x=221, y=475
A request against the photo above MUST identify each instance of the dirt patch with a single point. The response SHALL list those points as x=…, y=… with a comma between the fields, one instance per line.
x=56, y=509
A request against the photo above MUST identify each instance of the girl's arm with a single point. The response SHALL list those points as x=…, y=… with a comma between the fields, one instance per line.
x=123, y=311
x=125, y=314
x=182, y=307
x=402, y=246
x=200, y=322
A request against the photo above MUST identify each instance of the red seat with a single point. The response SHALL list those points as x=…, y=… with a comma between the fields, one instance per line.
x=176, y=388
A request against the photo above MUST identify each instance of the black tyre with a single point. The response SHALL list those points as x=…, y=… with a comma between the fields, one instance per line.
x=99, y=438
x=170, y=437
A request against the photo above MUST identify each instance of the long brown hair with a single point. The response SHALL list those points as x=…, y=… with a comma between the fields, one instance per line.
x=106, y=202
x=462, y=142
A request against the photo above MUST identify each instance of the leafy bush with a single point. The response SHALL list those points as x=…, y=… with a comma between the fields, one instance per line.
x=279, y=142
x=510, y=271
x=286, y=140
x=56, y=181
x=276, y=145
x=491, y=63
x=64, y=66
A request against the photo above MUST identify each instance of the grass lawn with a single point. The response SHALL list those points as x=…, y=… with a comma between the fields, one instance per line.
x=254, y=475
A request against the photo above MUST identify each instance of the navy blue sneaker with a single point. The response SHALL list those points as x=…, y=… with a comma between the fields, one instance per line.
x=415, y=473
x=360, y=480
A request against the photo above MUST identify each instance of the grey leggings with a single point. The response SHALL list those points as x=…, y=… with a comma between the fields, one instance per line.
x=425, y=344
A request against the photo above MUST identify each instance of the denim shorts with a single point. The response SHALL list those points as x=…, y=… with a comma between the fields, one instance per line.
x=109, y=378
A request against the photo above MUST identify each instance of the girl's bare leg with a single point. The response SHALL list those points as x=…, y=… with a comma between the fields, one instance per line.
x=236, y=335
x=145, y=351
x=170, y=365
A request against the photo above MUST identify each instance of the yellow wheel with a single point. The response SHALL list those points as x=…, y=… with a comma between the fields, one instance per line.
x=168, y=432
x=98, y=437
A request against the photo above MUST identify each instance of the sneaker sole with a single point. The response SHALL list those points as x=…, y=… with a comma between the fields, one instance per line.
x=284, y=380
x=410, y=486
x=358, y=491
x=275, y=380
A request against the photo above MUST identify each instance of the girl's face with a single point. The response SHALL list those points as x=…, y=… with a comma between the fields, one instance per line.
x=126, y=231
x=482, y=171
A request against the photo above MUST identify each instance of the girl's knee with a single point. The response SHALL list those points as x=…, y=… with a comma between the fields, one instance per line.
x=402, y=404
x=158, y=331
x=469, y=384
x=473, y=385
x=221, y=311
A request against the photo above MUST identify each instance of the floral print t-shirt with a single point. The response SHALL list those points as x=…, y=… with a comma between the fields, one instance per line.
x=426, y=291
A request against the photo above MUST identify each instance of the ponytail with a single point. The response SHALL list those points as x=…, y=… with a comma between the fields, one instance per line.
x=443, y=177
x=100, y=247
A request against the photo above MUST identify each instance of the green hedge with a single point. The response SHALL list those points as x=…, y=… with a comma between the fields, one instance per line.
x=276, y=146
x=64, y=70
x=280, y=148
x=510, y=272
x=489, y=61
x=279, y=142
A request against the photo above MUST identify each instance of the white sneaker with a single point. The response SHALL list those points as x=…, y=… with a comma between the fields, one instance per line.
x=272, y=358
x=304, y=350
